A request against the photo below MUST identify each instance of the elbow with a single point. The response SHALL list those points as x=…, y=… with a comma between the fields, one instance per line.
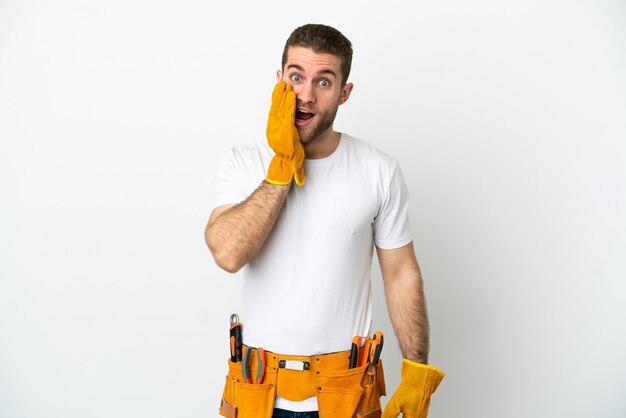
x=229, y=264
x=224, y=258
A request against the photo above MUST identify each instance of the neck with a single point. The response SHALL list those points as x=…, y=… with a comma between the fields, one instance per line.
x=322, y=146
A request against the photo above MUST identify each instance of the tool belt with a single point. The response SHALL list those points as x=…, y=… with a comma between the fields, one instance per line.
x=341, y=392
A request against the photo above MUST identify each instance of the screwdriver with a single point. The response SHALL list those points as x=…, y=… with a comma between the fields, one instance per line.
x=354, y=352
x=235, y=338
x=365, y=352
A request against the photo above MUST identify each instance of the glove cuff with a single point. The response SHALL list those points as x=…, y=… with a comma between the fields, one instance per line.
x=423, y=366
x=279, y=172
x=283, y=169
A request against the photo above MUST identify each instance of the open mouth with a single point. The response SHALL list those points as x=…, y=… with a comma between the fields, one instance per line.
x=302, y=116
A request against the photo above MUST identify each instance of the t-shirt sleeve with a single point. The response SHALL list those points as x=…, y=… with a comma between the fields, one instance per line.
x=392, y=227
x=229, y=187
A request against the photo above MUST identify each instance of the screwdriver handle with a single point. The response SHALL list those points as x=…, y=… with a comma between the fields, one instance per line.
x=365, y=352
x=236, y=342
x=354, y=352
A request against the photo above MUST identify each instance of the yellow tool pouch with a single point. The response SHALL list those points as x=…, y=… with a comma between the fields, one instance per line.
x=350, y=393
x=341, y=392
x=248, y=400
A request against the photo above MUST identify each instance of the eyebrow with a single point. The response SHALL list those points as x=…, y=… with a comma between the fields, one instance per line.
x=324, y=71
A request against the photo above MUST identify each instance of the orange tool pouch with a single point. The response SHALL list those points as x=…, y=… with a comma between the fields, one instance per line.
x=341, y=392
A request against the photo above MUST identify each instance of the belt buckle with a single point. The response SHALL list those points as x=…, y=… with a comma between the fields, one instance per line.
x=294, y=365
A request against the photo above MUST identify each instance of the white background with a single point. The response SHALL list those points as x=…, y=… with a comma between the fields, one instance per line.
x=508, y=119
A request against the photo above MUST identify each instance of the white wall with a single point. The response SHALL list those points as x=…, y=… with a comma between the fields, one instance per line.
x=508, y=119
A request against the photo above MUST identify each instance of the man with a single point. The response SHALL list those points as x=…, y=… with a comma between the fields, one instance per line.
x=306, y=251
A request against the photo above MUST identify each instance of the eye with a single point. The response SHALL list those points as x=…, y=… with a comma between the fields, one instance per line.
x=324, y=83
x=296, y=78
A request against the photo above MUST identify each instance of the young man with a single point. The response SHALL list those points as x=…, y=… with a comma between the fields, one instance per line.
x=307, y=249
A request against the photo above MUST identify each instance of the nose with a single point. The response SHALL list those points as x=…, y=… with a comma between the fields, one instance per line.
x=304, y=93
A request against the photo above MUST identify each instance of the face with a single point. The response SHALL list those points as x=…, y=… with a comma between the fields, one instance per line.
x=316, y=80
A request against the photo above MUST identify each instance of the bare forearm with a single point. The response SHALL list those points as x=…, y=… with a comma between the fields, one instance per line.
x=236, y=235
x=407, y=309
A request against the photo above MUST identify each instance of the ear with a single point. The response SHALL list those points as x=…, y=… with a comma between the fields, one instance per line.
x=345, y=93
x=279, y=76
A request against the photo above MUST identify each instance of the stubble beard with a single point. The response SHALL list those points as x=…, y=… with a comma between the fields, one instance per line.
x=325, y=121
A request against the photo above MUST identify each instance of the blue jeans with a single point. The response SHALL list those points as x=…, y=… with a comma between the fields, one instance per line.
x=281, y=413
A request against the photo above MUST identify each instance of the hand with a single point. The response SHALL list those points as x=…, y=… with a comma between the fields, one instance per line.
x=283, y=138
x=412, y=397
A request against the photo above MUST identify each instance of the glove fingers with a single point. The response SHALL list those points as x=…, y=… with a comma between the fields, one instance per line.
x=285, y=99
x=392, y=410
x=289, y=111
x=279, y=89
x=294, y=133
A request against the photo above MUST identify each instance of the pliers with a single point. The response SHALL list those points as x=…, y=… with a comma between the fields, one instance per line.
x=245, y=366
x=376, y=346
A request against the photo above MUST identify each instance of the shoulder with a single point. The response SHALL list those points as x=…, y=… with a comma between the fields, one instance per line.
x=250, y=151
x=246, y=157
x=369, y=154
x=241, y=169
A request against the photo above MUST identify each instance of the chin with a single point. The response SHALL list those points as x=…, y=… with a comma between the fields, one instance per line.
x=305, y=137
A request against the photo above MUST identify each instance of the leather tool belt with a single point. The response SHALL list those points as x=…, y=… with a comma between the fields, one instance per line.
x=341, y=392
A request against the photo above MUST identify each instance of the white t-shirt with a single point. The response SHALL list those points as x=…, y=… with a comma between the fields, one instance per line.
x=308, y=290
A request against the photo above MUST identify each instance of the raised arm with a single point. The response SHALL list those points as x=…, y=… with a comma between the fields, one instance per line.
x=405, y=301
x=236, y=233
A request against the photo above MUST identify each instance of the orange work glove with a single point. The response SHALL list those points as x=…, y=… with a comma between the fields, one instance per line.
x=283, y=138
x=412, y=397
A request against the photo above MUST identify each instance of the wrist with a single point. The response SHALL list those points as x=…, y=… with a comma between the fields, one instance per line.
x=276, y=186
x=417, y=359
